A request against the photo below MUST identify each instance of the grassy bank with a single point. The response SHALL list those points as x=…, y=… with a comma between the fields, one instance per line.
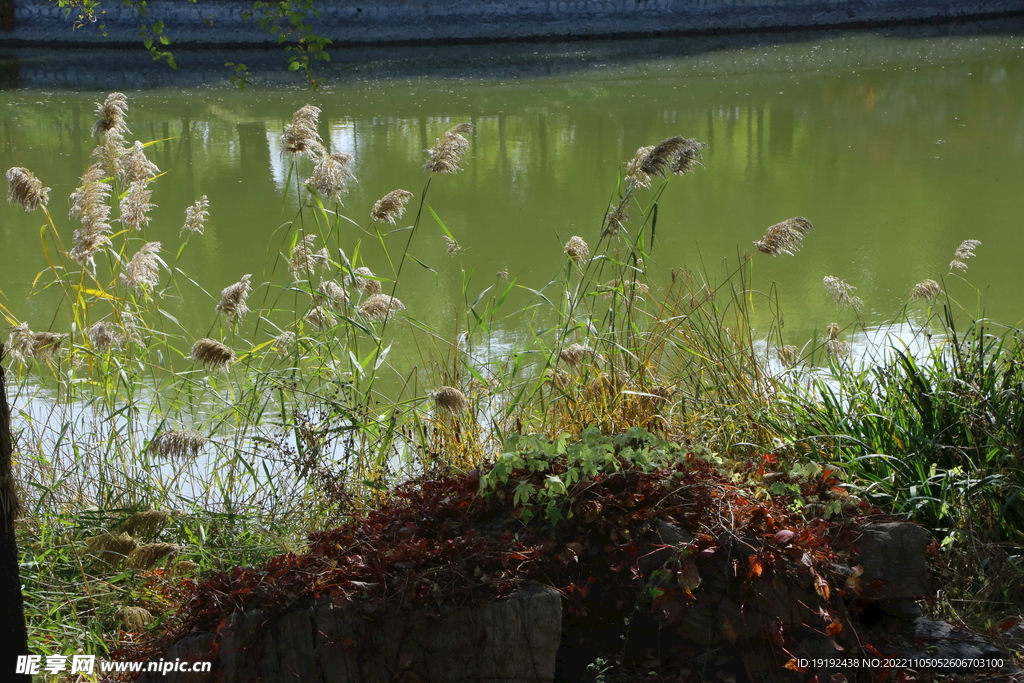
x=148, y=452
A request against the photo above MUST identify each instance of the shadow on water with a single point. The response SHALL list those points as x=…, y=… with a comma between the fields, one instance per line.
x=105, y=69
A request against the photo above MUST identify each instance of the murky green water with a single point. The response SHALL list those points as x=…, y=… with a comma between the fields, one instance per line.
x=898, y=148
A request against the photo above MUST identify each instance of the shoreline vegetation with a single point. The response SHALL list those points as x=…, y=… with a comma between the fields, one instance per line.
x=148, y=455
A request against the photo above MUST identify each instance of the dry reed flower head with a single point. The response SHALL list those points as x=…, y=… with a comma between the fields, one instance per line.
x=502, y=274
x=451, y=247
x=46, y=344
x=300, y=136
x=20, y=343
x=135, y=206
x=107, y=155
x=89, y=203
x=135, y=167
x=928, y=289
x=111, y=114
x=628, y=289
x=391, y=206
x=284, y=343
x=105, y=336
x=146, y=556
x=319, y=318
x=676, y=154
x=577, y=250
x=111, y=549
x=446, y=155
x=330, y=173
x=833, y=345
x=558, y=377
x=450, y=399
x=840, y=292
x=145, y=523
x=616, y=219
x=213, y=354
x=184, y=568
x=785, y=237
x=331, y=293
x=134, y=619
x=24, y=189
x=304, y=259
x=379, y=307
x=142, y=272
x=195, y=217
x=232, y=300
x=788, y=355
x=363, y=277
x=605, y=386
x=963, y=252
x=177, y=444
x=573, y=355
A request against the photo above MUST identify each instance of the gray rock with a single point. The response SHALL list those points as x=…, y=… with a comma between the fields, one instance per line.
x=894, y=555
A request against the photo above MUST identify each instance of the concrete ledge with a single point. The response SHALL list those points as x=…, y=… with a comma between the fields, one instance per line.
x=221, y=22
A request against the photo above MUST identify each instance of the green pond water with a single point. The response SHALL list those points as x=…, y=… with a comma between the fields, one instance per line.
x=897, y=146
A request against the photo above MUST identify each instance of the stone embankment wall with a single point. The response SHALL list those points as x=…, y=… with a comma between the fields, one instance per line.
x=396, y=21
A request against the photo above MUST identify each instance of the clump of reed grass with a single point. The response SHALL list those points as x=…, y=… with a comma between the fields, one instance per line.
x=145, y=524
x=379, y=307
x=330, y=173
x=195, y=217
x=303, y=259
x=148, y=555
x=446, y=155
x=135, y=206
x=391, y=206
x=25, y=189
x=676, y=155
x=134, y=619
x=179, y=444
x=450, y=399
x=577, y=250
x=963, y=252
x=143, y=270
x=840, y=292
x=233, y=300
x=785, y=237
x=213, y=354
x=927, y=289
x=301, y=136
x=363, y=277
x=135, y=167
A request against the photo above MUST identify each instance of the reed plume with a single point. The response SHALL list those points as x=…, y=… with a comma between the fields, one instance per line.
x=45, y=345
x=107, y=155
x=135, y=206
x=195, y=217
x=146, y=556
x=319, y=318
x=379, y=307
x=630, y=289
x=178, y=444
x=676, y=155
x=232, y=300
x=577, y=250
x=213, y=354
x=840, y=292
x=331, y=293
x=135, y=167
x=20, y=343
x=134, y=619
x=111, y=115
x=330, y=174
x=963, y=252
x=104, y=336
x=446, y=155
x=301, y=136
x=616, y=219
x=25, y=189
x=89, y=203
x=111, y=549
x=833, y=345
x=145, y=523
x=927, y=289
x=143, y=271
x=450, y=399
x=284, y=342
x=391, y=206
x=785, y=237
x=304, y=259
x=573, y=355
x=363, y=278
x=451, y=247
x=788, y=355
